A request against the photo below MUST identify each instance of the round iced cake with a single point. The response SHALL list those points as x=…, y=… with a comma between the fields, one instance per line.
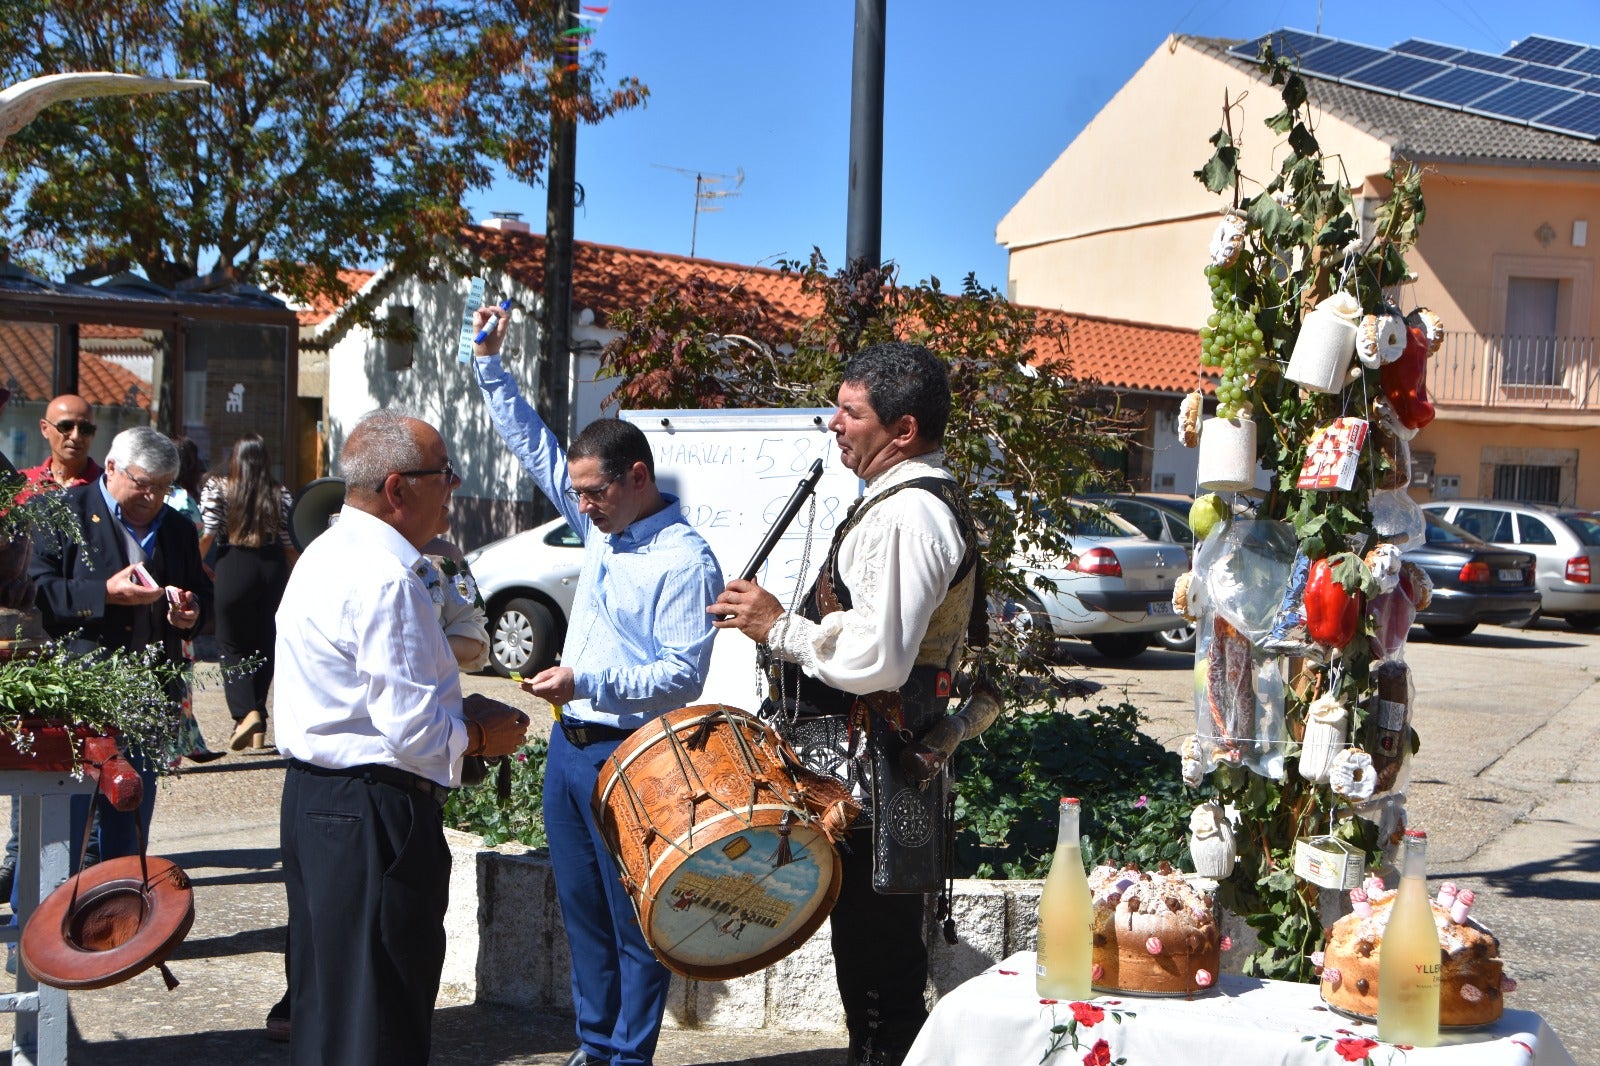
x=1471, y=981
x=1154, y=932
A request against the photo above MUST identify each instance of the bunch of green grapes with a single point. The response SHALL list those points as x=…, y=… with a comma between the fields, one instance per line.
x=1230, y=342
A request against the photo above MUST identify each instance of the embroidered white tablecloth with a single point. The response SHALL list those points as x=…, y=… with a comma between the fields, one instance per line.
x=998, y=1019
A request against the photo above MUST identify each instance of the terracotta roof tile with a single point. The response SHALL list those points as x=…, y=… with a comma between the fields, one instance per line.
x=324, y=307
x=27, y=354
x=605, y=277
x=1122, y=355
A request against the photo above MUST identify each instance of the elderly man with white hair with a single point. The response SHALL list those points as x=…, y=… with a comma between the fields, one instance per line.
x=136, y=581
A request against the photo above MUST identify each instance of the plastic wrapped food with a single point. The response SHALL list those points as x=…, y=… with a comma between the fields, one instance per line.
x=1246, y=567
x=1388, y=727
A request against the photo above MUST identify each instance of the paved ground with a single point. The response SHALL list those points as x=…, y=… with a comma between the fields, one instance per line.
x=1507, y=785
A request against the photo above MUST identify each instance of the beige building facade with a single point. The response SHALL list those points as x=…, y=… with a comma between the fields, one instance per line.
x=1119, y=227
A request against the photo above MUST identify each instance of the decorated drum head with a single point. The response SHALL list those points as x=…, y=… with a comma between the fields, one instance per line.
x=728, y=910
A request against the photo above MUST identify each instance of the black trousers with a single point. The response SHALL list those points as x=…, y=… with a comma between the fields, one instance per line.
x=879, y=958
x=249, y=587
x=368, y=877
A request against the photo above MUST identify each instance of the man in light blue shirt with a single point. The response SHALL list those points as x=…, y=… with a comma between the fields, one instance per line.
x=638, y=644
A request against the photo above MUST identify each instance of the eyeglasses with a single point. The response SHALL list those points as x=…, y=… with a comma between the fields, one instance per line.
x=66, y=426
x=145, y=486
x=448, y=470
x=594, y=495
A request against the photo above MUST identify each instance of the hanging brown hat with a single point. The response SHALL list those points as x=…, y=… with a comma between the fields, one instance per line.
x=116, y=919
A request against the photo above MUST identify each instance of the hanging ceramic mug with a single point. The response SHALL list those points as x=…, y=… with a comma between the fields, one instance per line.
x=1227, y=461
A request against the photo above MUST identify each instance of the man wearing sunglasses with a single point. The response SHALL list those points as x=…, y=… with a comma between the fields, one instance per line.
x=638, y=645
x=68, y=426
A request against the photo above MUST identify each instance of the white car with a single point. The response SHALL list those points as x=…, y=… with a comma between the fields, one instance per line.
x=527, y=582
x=1114, y=589
x=1565, y=541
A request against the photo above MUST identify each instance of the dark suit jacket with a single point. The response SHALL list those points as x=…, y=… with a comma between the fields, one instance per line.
x=72, y=592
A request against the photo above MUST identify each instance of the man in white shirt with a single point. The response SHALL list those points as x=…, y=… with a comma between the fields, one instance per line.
x=370, y=712
x=872, y=650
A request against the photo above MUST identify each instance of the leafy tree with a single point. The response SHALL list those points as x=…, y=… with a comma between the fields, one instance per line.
x=1301, y=242
x=334, y=132
x=1023, y=434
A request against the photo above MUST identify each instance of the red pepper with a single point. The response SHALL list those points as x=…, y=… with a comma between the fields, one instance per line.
x=1333, y=613
x=1405, y=382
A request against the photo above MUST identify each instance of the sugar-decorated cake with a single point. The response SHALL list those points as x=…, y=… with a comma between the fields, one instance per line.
x=1153, y=932
x=1471, y=981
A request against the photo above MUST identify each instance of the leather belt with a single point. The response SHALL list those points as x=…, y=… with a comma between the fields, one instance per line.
x=581, y=736
x=383, y=775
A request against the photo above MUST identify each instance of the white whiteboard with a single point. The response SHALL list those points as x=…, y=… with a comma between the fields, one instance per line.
x=732, y=472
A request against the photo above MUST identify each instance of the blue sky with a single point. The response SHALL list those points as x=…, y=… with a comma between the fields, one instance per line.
x=979, y=100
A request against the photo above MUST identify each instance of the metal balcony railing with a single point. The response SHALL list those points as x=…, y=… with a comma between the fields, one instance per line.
x=1536, y=373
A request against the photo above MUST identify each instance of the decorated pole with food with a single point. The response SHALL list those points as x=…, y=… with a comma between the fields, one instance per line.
x=1315, y=371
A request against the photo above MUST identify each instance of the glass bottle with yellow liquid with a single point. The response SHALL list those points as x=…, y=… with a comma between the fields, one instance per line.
x=1409, y=959
x=1066, y=917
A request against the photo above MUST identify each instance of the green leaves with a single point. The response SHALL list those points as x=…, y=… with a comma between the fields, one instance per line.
x=1010, y=780
x=1276, y=223
x=1221, y=171
x=479, y=810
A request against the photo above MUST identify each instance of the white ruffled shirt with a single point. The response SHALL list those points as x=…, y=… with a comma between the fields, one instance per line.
x=897, y=563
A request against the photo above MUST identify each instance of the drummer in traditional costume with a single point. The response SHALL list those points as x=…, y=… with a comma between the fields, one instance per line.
x=875, y=644
x=638, y=644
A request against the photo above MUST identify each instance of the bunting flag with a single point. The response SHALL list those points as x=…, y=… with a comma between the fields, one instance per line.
x=571, y=44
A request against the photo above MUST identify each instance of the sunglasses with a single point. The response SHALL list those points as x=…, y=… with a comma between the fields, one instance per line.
x=448, y=470
x=67, y=426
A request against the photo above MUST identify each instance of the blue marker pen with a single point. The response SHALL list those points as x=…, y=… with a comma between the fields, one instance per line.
x=483, y=334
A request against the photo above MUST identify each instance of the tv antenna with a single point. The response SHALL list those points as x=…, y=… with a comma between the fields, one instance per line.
x=708, y=194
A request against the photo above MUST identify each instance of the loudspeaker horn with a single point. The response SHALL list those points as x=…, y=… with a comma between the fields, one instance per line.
x=315, y=507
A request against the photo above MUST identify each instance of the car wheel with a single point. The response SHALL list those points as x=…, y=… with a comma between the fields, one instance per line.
x=1180, y=639
x=1119, y=646
x=522, y=639
x=1449, y=630
x=1583, y=623
x=1027, y=618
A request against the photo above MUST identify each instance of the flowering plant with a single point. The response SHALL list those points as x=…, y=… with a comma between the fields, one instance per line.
x=126, y=692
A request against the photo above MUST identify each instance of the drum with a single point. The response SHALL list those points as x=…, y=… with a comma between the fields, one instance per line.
x=724, y=840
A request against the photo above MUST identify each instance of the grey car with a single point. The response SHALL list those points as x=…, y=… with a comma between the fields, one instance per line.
x=1564, y=540
x=1160, y=516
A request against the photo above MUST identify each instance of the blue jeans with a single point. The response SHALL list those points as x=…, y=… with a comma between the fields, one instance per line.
x=619, y=990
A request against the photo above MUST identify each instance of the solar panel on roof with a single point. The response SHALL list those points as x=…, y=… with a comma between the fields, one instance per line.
x=1525, y=100
x=1550, y=75
x=1427, y=49
x=1582, y=116
x=1546, y=50
x=1588, y=85
x=1290, y=44
x=1587, y=61
x=1340, y=59
x=1398, y=72
x=1460, y=87
x=1482, y=61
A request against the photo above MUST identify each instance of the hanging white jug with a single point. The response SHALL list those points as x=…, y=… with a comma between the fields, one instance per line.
x=1227, y=461
x=1322, y=352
